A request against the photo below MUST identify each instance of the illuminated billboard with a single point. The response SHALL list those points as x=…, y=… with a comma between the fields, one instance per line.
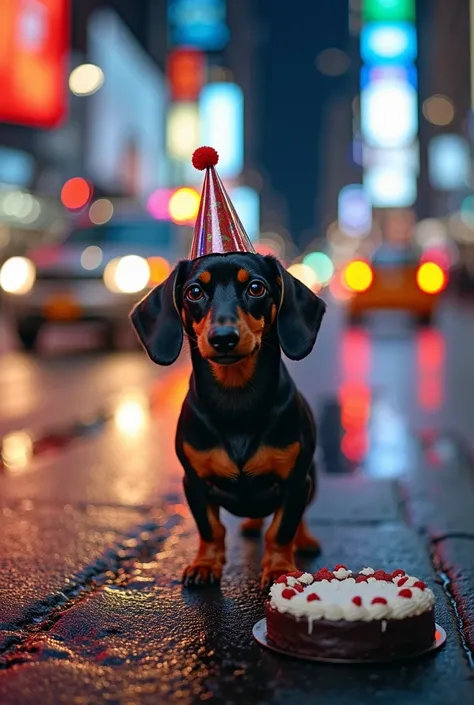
x=449, y=162
x=389, y=113
x=198, y=23
x=390, y=187
x=182, y=133
x=126, y=149
x=221, y=114
x=185, y=70
x=247, y=204
x=34, y=43
x=388, y=43
x=388, y=10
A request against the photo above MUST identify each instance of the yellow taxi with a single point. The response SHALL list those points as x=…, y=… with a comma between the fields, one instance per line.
x=394, y=279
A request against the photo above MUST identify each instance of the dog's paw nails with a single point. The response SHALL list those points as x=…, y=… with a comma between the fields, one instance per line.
x=201, y=576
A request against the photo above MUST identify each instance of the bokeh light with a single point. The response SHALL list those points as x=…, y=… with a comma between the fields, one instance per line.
x=91, y=257
x=333, y=62
x=101, y=211
x=127, y=275
x=322, y=266
x=159, y=270
x=76, y=193
x=305, y=275
x=467, y=211
x=430, y=232
x=184, y=205
x=131, y=416
x=17, y=275
x=86, y=79
x=158, y=203
x=430, y=278
x=17, y=450
x=358, y=276
x=439, y=110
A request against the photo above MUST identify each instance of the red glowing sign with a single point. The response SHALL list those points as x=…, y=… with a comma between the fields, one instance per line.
x=185, y=71
x=34, y=41
x=76, y=193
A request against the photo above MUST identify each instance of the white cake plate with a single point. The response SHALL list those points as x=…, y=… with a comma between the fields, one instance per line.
x=260, y=635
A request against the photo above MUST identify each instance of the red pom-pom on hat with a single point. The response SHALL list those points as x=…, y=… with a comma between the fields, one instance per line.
x=204, y=158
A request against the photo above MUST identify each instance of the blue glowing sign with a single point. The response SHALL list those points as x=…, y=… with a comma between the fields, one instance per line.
x=198, y=23
x=449, y=162
x=388, y=43
x=247, y=204
x=221, y=118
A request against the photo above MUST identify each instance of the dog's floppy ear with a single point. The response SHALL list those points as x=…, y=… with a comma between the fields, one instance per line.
x=157, y=321
x=299, y=317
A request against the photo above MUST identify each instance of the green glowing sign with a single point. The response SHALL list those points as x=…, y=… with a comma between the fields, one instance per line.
x=388, y=10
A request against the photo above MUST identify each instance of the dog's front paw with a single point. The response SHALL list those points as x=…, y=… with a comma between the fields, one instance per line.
x=272, y=573
x=203, y=575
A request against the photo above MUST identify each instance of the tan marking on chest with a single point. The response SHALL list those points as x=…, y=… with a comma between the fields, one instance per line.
x=267, y=459
x=214, y=461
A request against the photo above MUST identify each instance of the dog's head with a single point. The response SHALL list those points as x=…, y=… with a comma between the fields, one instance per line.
x=228, y=304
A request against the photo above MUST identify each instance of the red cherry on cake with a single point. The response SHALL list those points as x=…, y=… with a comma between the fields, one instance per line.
x=341, y=565
x=379, y=601
x=379, y=575
x=312, y=597
x=295, y=574
x=398, y=572
x=298, y=587
x=420, y=584
x=282, y=579
x=288, y=593
x=361, y=579
x=402, y=581
x=324, y=574
x=406, y=592
x=357, y=600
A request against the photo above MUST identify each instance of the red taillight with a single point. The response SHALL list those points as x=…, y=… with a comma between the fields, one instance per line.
x=431, y=278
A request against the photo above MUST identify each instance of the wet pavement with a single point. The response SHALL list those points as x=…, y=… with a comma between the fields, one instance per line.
x=94, y=531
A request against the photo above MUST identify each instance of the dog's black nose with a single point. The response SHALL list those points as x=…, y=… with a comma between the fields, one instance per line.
x=224, y=338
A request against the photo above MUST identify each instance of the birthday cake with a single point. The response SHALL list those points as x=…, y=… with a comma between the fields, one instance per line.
x=370, y=615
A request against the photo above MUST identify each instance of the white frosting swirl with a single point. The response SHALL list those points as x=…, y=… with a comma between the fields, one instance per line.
x=367, y=571
x=336, y=598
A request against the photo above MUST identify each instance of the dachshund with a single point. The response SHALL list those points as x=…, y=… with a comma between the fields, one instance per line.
x=246, y=437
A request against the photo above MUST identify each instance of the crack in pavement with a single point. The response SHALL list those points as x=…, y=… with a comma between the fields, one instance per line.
x=113, y=568
x=446, y=584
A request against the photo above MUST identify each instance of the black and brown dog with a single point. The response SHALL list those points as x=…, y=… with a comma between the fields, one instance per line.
x=246, y=437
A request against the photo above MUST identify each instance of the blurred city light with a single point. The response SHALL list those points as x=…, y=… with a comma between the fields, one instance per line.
x=76, y=193
x=247, y=204
x=34, y=55
x=430, y=232
x=439, y=110
x=467, y=211
x=322, y=266
x=91, y=258
x=390, y=187
x=304, y=274
x=101, y=211
x=389, y=113
x=270, y=245
x=183, y=205
x=358, y=276
x=16, y=166
x=127, y=275
x=198, y=23
x=182, y=130
x=17, y=275
x=20, y=205
x=431, y=278
x=449, y=162
x=388, y=10
x=131, y=415
x=159, y=270
x=388, y=42
x=86, y=79
x=221, y=114
x=333, y=62
x=17, y=450
x=158, y=203
x=354, y=211
x=185, y=69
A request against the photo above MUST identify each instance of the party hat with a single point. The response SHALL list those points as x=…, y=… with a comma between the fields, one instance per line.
x=218, y=228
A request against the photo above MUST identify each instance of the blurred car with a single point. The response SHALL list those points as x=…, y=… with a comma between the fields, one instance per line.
x=96, y=274
x=396, y=279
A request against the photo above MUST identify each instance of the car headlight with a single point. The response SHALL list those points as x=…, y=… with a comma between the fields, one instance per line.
x=127, y=275
x=17, y=275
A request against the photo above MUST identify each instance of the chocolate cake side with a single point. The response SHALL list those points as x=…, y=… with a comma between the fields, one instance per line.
x=384, y=639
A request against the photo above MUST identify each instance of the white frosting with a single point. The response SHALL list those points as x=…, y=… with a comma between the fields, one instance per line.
x=335, y=598
x=342, y=573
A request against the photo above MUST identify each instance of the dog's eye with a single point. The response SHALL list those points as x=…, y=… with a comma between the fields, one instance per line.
x=256, y=289
x=194, y=293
